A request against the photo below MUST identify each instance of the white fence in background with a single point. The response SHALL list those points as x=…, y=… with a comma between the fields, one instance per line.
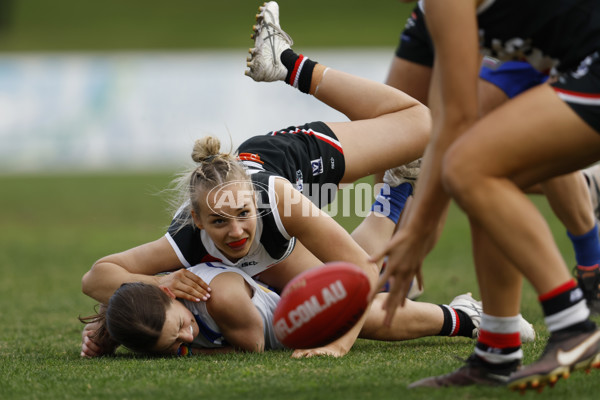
x=135, y=111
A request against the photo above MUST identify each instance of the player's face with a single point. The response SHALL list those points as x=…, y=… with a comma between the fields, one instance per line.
x=229, y=218
x=180, y=327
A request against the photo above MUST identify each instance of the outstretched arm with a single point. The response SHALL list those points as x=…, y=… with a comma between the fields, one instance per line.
x=454, y=106
x=140, y=264
x=327, y=241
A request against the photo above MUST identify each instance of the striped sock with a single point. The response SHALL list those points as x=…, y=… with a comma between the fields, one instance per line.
x=456, y=322
x=499, y=342
x=565, y=309
x=300, y=70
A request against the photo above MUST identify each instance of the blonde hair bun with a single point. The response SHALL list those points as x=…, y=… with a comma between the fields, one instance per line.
x=206, y=149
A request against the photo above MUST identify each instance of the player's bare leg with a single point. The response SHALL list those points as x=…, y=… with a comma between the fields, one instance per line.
x=498, y=205
x=388, y=128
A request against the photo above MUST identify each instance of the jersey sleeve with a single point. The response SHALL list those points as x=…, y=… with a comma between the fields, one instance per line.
x=186, y=242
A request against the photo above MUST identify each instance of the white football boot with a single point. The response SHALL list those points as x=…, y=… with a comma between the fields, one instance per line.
x=466, y=303
x=404, y=173
x=474, y=309
x=415, y=291
x=526, y=331
x=264, y=63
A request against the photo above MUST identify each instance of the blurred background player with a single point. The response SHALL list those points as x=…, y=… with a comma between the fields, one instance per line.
x=568, y=195
x=485, y=163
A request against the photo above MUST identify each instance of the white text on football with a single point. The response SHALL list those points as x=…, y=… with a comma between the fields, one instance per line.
x=310, y=308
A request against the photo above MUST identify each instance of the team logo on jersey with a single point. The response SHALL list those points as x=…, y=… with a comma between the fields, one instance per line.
x=584, y=66
x=299, y=180
x=248, y=264
x=317, y=166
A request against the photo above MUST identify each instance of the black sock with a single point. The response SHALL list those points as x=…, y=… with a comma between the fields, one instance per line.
x=456, y=322
x=505, y=368
x=585, y=326
x=300, y=70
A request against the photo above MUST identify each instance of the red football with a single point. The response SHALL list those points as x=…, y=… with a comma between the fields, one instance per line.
x=320, y=305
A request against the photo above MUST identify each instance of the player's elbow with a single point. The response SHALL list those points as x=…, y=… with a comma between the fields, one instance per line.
x=239, y=321
x=252, y=341
x=86, y=283
x=248, y=336
x=89, y=282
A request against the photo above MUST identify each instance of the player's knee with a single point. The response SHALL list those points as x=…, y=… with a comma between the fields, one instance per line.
x=457, y=175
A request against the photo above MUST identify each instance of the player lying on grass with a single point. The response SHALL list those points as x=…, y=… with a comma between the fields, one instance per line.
x=260, y=210
x=239, y=316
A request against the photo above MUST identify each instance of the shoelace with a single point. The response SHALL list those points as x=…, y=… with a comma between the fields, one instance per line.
x=271, y=35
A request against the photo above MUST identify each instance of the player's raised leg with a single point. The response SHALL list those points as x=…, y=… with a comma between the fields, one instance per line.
x=388, y=128
x=476, y=170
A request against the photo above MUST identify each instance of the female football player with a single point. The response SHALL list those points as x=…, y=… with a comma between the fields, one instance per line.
x=568, y=195
x=147, y=319
x=259, y=211
x=484, y=163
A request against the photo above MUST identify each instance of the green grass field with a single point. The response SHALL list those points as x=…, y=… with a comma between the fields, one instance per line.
x=54, y=227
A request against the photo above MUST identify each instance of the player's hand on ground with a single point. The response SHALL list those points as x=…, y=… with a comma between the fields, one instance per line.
x=332, y=350
x=93, y=347
x=185, y=285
